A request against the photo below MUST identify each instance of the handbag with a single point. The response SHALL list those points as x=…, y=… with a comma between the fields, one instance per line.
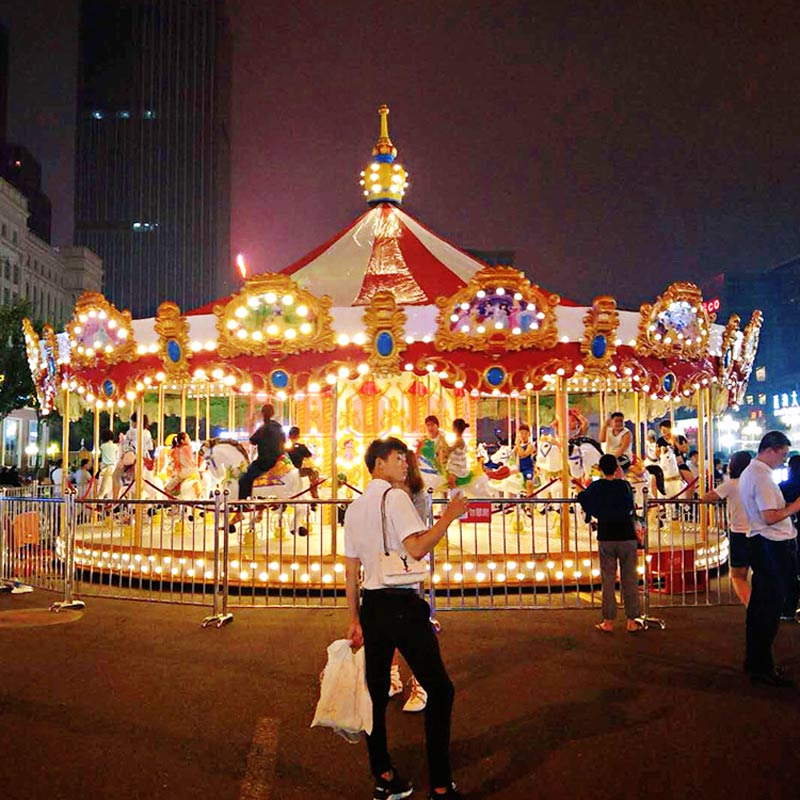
x=396, y=569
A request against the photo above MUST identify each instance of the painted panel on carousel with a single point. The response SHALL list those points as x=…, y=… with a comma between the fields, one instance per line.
x=99, y=332
x=173, y=340
x=677, y=325
x=384, y=323
x=500, y=310
x=730, y=343
x=272, y=316
x=42, y=362
x=600, y=324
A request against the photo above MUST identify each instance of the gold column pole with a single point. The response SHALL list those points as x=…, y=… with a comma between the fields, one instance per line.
x=160, y=416
x=139, y=469
x=537, y=416
x=208, y=410
x=96, y=448
x=334, y=423
x=562, y=415
x=197, y=415
x=231, y=412
x=701, y=462
x=65, y=447
x=637, y=433
x=710, y=425
x=183, y=408
x=508, y=418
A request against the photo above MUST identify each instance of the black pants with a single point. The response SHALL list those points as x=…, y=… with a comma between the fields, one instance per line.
x=774, y=565
x=791, y=598
x=400, y=618
x=256, y=469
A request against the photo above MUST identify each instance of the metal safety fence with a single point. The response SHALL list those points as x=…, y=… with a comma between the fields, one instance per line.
x=516, y=553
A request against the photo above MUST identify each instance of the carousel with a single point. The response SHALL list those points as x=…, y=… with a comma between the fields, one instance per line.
x=378, y=328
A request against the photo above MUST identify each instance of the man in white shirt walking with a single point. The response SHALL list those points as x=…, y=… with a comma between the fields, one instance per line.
x=772, y=556
x=392, y=617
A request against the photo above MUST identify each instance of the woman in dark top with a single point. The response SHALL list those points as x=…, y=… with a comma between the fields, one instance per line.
x=610, y=501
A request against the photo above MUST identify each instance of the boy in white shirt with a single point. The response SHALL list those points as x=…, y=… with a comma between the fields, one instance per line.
x=392, y=617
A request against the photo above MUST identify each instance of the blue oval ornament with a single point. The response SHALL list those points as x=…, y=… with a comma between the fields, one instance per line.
x=384, y=344
x=173, y=351
x=668, y=382
x=495, y=376
x=599, y=346
x=108, y=387
x=279, y=379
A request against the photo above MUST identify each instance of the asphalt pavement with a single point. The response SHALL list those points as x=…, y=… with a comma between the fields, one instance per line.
x=135, y=700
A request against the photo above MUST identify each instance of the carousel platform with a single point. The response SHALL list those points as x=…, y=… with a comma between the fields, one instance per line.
x=520, y=545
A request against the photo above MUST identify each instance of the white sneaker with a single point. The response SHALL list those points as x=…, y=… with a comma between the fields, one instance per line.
x=418, y=698
x=395, y=682
x=21, y=588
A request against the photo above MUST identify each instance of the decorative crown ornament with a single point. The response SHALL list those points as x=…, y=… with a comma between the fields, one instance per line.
x=384, y=180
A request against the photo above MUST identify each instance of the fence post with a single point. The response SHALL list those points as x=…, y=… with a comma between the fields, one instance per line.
x=221, y=520
x=68, y=532
x=5, y=580
x=645, y=620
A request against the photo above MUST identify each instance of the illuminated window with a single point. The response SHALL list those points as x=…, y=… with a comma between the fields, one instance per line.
x=749, y=399
x=144, y=227
x=123, y=114
x=761, y=374
x=149, y=113
x=97, y=115
x=762, y=399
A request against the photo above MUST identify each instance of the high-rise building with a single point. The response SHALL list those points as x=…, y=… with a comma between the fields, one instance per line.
x=23, y=171
x=3, y=82
x=152, y=149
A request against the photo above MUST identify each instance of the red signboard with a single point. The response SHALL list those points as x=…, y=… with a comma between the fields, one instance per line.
x=712, y=305
x=478, y=512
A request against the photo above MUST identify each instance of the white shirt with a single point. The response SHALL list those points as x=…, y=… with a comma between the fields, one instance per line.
x=108, y=454
x=362, y=528
x=737, y=516
x=760, y=493
x=614, y=440
x=57, y=477
x=131, y=437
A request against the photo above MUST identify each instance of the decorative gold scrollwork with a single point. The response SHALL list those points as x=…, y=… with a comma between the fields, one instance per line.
x=599, y=343
x=273, y=317
x=99, y=332
x=173, y=340
x=743, y=365
x=727, y=358
x=497, y=311
x=384, y=323
x=677, y=325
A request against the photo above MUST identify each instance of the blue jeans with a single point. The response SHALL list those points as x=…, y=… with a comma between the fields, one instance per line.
x=774, y=565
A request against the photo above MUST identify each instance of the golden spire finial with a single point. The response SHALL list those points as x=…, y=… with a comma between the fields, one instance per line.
x=384, y=180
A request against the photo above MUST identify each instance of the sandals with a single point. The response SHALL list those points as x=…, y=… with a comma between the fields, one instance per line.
x=602, y=628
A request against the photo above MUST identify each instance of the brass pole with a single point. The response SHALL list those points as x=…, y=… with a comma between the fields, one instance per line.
x=562, y=415
x=160, y=416
x=183, y=408
x=637, y=433
x=208, y=411
x=96, y=448
x=231, y=412
x=197, y=415
x=701, y=462
x=710, y=427
x=65, y=445
x=139, y=469
x=508, y=417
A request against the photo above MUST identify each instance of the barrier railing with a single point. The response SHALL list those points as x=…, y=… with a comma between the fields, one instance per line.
x=221, y=554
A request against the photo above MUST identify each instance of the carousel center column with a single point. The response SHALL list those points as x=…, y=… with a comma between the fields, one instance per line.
x=562, y=414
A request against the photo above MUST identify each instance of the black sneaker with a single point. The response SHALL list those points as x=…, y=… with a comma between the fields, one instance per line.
x=396, y=788
x=775, y=678
x=451, y=794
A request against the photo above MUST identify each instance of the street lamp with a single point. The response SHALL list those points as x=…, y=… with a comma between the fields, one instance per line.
x=728, y=427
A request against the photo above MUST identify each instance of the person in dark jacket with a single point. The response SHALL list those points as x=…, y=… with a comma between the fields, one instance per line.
x=270, y=440
x=610, y=501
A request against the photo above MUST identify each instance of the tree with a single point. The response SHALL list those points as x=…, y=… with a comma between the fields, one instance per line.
x=16, y=385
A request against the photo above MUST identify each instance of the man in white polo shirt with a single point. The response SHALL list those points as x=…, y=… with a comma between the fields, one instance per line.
x=396, y=616
x=772, y=556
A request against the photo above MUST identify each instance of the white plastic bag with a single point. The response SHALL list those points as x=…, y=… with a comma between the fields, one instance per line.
x=344, y=702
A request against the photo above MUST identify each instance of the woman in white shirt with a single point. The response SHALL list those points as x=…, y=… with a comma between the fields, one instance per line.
x=738, y=525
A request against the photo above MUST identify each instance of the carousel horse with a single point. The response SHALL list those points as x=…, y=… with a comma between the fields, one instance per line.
x=584, y=455
x=434, y=476
x=504, y=475
x=226, y=460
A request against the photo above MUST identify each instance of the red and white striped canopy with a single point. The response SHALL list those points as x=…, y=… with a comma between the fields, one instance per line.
x=385, y=248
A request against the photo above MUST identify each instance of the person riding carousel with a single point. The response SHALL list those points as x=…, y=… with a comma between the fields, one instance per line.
x=270, y=440
x=127, y=451
x=617, y=439
x=182, y=464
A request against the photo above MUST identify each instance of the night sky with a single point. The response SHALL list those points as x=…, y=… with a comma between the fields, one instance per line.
x=615, y=146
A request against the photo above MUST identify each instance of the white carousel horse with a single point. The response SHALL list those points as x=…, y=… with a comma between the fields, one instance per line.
x=226, y=460
x=584, y=455
x=476, y=484
x=504, y=475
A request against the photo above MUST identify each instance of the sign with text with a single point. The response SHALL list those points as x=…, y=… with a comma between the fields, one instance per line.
x=478, y=512
x=712, y=305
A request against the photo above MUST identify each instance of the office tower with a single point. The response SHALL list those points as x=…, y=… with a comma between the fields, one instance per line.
x=152, y=149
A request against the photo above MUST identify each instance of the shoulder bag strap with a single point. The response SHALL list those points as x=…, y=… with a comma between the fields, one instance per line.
x=383, y=520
